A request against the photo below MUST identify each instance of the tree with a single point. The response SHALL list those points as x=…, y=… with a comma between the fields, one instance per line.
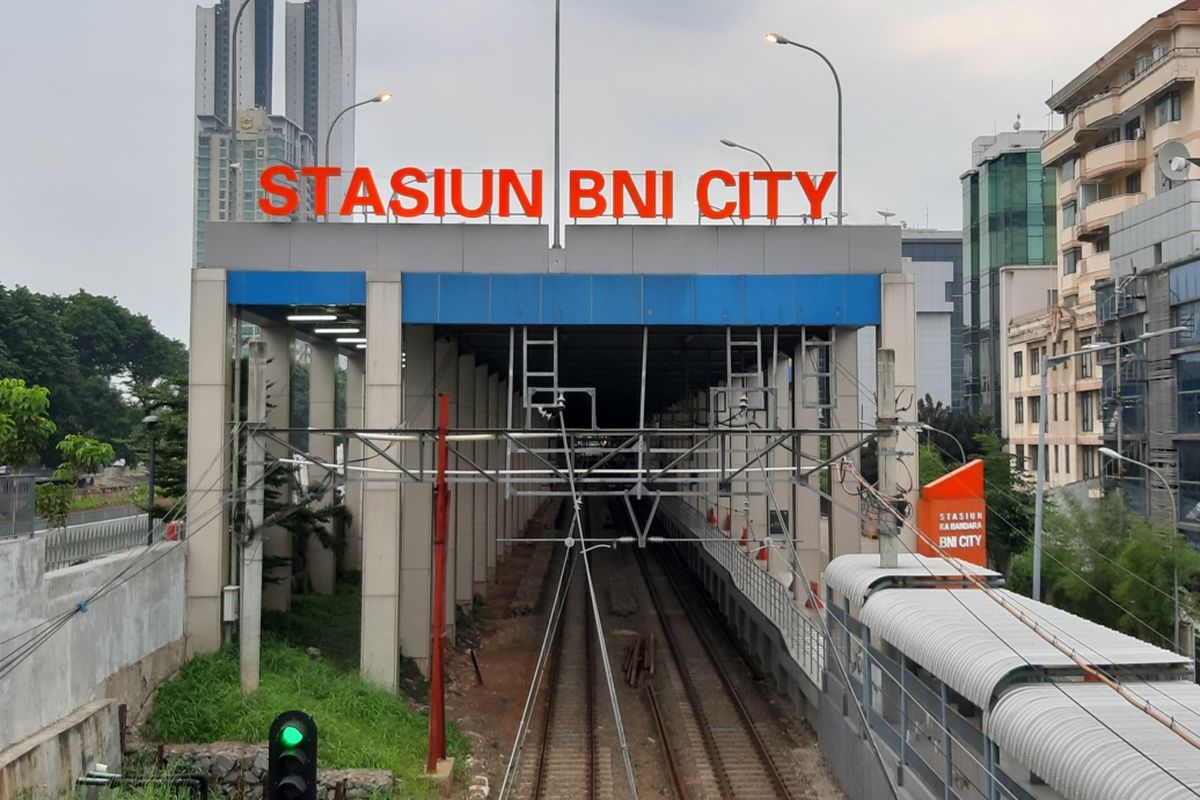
x=930, y=465
x=166, y=399
x=81, y=455
x=1009, y=499
x=1112, y=567
x=25, y=426
x=954, y=428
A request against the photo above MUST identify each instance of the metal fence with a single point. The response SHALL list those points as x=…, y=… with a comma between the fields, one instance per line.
x=17, y=496
x=76, y=543
x=804, y=640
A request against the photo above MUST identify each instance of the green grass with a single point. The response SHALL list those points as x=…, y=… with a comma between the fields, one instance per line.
x=330, y=623
x=359, y=725
x=333, y=625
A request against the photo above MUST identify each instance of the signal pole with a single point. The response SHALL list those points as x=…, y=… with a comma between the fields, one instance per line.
x=250, y=612
x=885, y=392
x=437, y=652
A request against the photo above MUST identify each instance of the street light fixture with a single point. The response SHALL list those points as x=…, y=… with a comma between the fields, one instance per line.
x=151, y=422
x=735, y=145
x=379, y=98
x=1040, y=478
x=1108, y=451
x=776, y=38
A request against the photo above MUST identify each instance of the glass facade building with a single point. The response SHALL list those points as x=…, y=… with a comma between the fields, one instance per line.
x=948, y=248
x=1008, y=220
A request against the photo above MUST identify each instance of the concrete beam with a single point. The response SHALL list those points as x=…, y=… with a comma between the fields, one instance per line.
x=209, y=460
x=416, y=499
x=845, y=517
x=322, y=402
x=464, y=495
x=898, y=332
x=380, y=646
x=481, y=490
x=277, y=540
x=355, y=374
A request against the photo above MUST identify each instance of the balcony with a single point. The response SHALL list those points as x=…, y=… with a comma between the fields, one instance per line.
x=1099, y=111
x=1095, y=217
x=1112, y=157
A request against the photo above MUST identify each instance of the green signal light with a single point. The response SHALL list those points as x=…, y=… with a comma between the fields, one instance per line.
x=291, y=736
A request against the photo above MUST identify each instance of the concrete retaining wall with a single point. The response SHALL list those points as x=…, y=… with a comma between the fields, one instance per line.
x=119, y=649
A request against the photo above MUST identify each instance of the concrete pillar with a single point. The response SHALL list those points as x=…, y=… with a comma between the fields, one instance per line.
x=845, y=518
x=464, y=495
x=504, y=512
x=481, y=489
x=277, y=540
x=446, y=381
x=494, y=499
x=355, y=369
x=898, y=332
x=781, y=558
x=322, y=400
x=209, y=458
x=807, y=527
x=416, y=499
x=380, y=645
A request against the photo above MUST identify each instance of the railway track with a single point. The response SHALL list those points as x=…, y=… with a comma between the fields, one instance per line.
x=565, y=763
x=741, y=761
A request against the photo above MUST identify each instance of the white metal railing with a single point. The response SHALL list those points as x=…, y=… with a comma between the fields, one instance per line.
x=801, y=636
x=75, y=543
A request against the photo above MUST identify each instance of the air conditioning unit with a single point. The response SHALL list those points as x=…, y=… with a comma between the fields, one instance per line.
x=1139, y=133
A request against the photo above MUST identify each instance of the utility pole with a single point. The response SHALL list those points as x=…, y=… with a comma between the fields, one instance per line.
x=250, y=613
x=437, y=653
x=887, y=439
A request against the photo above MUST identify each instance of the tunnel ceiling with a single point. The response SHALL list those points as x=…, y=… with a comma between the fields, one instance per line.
x=679, y=361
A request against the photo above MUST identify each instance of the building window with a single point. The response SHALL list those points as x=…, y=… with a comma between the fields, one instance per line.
x=1018, y=357
x=1087, y=461
x=1187, y=383
x=1101, y=244
x=1067, y=410
x=1035, y=409
x=1067, y=171
x=1189, y=481
x=1133, y=128
x=1019, y=411
x=1167, y=109
x=1035, y=361
x=1133, y=182
x=1087, y=407
x=1068, y=214
x=1054, y=407
x=1085, y=360
x=1071, y=259
x=1055, y=458
x=1020, y=456
x=1067, y=458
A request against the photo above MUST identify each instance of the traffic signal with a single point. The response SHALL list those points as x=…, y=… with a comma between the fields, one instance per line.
x=292, y=750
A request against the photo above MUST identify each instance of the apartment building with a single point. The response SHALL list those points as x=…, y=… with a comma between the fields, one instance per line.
x=1116, y=115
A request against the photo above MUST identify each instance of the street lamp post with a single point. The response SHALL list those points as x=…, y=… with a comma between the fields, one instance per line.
x=775, y=38
x=1040, y=478
x=379, y=98
x=930, y=429
x=1108, y=451
x=151, y=422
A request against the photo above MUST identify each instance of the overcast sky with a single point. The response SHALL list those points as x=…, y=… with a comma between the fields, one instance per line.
x=96, y=137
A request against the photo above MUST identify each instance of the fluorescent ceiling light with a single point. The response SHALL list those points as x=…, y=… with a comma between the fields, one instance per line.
x=312, y=317
x=361, y=346
x=351, y=340
x=345, y=331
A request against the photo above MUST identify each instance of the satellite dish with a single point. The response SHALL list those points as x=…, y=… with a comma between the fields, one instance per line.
x=1172, y=161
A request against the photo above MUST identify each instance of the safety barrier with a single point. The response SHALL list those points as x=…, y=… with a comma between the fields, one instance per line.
x=76, y=543
x=802, y=637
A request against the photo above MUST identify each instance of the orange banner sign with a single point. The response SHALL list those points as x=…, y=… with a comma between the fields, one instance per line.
x=952, y=514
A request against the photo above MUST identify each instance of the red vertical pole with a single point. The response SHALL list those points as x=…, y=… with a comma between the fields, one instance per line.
x=437, y=658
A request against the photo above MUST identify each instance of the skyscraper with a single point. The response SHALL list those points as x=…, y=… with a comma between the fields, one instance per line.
x=320, y=37
x=319, y=75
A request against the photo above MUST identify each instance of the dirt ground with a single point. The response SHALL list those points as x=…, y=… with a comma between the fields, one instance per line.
x=488, y=714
